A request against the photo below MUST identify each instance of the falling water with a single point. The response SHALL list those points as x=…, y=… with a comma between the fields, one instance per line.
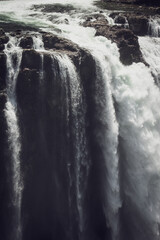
x=14, y=55
x=126, y=108
x=150, y=48
x=82, y=163
x=139, y=122
x=108, y=140
x=154, y=27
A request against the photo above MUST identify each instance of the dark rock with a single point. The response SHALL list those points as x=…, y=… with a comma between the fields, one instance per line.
x=26, y=42
x=126, y=40
x=113, y=14
x=27, y=82
x=146, y=2
x=120, y=19
x=60, y=8
x=54, y=42
x=18, y=31
x=2, y=47
x=128, y=46
x=4, y=39
x=3, y=71
x=2, y=32
x=138, y=24
x=96, y=21
x=3, y=98
x=158, y=10
x=31, y=59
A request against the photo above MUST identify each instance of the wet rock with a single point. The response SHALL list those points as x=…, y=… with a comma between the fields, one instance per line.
x=27, y=85
x=126, y=40
x=3, y=71
x=158, y=10
x=31, y=59
x=128, y=46
x=96, y=21
x=54, y=42
x=138, y=24
x=26, y=42
x=146, y=2
x=4, y=39
x=120, y=19
x=2, y=47
x=60, y=8
x=2, y=32
x=3, y=99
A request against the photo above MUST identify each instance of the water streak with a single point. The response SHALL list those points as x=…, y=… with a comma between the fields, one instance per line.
x=14, y=55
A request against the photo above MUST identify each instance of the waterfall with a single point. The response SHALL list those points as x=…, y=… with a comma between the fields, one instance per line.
x=154, y=27
x=14, y=55
x=150, y=48
x=83, y=129
x=108, y=141
x=77, y=115
x=139, y=123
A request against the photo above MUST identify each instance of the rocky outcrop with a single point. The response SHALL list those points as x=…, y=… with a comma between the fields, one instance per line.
x=54, y=42
x=59, y=8
x=137, y=23
x=126, y=40
x=59, y=44
x=3, y=39
x=26, y=42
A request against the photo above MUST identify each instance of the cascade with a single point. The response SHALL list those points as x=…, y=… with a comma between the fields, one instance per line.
x=81, y=169
x=83, y=129
x=154, y=27
x=14, y=55
x=108, y=141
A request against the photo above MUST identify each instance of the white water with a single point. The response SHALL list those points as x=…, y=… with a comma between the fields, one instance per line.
x=154, y=27
x=150, y=48
x=109, y=143
x=14, y=55
x=137, y=121
x=72, y=82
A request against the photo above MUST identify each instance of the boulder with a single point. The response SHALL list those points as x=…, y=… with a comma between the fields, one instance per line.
x=96, y=21
x=2, y=32
x=138, y=24
x=58, y=44
x=26, y=42
x=128, y=46
x=120, y=19
x=54, y=42
x=3, y=39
